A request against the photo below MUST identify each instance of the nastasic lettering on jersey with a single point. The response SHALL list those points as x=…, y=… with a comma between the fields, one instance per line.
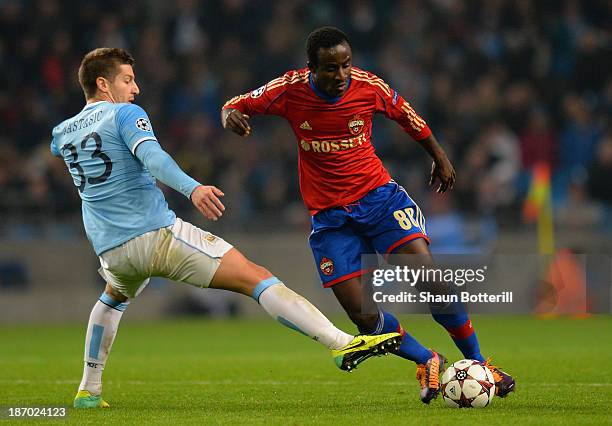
x=82, y=123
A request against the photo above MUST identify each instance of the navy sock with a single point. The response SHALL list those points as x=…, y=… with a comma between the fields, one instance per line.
x=410, y=348
x=455, y=320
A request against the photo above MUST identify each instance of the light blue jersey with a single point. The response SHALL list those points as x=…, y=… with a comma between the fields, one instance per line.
x=119, y=194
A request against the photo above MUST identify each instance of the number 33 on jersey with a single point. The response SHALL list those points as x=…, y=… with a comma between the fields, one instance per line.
x=98, y=146
x=88, y=141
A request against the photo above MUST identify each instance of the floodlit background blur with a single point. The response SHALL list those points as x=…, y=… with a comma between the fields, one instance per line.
x=505, y=85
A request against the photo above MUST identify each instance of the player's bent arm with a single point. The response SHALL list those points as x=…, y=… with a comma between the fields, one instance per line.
x=395, y=107
x=266, y=100
x=163, y=167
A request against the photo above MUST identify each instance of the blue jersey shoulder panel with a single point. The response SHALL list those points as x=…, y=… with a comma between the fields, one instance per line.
x=134, y=125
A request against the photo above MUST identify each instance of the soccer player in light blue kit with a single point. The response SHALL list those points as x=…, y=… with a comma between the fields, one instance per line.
x=112, y=153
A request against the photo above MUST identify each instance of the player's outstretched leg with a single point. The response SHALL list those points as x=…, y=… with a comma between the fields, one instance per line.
x=101, y=332
x=237, y=273
x=429, y=363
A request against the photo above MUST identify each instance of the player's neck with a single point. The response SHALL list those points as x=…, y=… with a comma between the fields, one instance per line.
x=319, y=90
x=99, y=97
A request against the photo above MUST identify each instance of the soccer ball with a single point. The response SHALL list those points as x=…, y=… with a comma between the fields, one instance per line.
x=466, y=384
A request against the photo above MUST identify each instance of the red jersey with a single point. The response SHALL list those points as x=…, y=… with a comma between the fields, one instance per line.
x=337, y=162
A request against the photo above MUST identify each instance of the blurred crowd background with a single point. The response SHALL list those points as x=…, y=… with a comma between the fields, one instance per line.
x=504, y=84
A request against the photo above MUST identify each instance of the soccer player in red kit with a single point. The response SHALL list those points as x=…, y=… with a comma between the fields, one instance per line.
x=356, y=207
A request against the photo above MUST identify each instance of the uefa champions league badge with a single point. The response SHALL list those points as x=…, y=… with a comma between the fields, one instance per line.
x=258, y=92
x=143, y=124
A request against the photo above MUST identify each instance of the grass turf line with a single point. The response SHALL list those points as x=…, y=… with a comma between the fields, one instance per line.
x=199, y=371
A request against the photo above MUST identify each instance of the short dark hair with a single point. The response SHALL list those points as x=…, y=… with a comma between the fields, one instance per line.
x=324, y=37
x=101, y=62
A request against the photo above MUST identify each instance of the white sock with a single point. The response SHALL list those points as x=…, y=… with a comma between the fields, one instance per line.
x=101, y=332
x=293, y=311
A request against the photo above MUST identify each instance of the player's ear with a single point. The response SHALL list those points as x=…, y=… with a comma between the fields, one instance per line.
x=310, y=66
x=102, y=84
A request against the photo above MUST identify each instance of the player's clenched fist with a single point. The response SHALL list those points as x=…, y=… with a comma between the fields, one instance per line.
x=206, y=200
x=236, y=121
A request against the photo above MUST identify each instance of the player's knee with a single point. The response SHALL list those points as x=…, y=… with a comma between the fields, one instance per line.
x=114, y=294
x=256, y=274
x=237, y=273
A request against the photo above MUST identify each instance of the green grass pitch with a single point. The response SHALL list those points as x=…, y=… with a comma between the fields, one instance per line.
x=200, y=371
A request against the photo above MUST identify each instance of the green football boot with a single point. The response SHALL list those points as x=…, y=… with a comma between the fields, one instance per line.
x=84, y=399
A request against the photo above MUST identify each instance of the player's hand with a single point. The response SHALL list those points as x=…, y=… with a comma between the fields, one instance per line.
x=236, y=121
x=442, y=170
x=206, y=200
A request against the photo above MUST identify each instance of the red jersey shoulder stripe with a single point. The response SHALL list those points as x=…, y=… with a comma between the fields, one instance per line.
x=372, y=79
x=383, y=87
x=375, y=81
x=416, y=122
x=236, y=99
x=291, y=77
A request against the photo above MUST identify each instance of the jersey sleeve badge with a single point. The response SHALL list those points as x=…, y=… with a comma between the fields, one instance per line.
x=258, y=92
x=143, y=124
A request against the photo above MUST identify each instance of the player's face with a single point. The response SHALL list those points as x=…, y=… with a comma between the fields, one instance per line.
x=124, y=88
x=333, y=70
